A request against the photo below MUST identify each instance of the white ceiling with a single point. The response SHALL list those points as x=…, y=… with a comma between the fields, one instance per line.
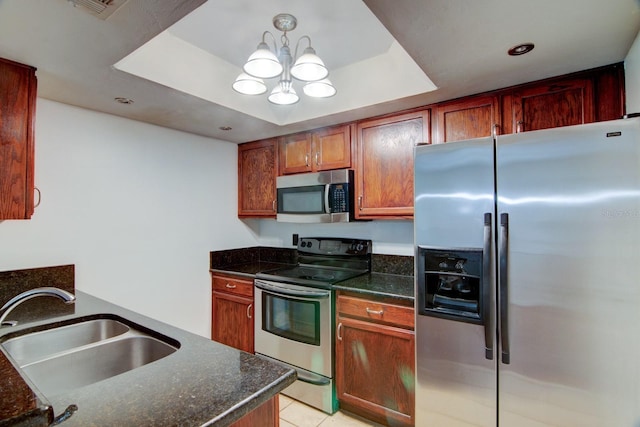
x=459, y=44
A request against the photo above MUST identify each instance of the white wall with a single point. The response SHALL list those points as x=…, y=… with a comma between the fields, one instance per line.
x=135, y=207
x=632, y=77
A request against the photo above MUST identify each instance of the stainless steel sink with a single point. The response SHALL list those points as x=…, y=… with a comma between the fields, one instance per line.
x=72, y=356
x=36, y=345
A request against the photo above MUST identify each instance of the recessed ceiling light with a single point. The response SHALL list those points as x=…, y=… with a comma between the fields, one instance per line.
x=122, y=100
x=520, y=49
x=225, y=128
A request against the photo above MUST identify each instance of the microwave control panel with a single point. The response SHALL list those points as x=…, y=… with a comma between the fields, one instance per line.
x=338, y=198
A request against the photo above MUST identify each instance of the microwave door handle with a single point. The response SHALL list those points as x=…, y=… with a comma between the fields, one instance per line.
x=326, y=198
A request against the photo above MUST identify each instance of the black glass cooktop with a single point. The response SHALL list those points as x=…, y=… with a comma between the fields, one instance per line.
x=311, y=276
x=324, y=261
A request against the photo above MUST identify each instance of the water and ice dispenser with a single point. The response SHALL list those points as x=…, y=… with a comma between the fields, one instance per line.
x=450, y=284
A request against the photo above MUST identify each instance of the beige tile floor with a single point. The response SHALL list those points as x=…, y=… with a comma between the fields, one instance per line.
x=297, y=414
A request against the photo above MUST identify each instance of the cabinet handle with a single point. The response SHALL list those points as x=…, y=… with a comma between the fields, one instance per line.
x=519, y=126
x=230, y=286
x=317, y=158
x=249, y=307
x=339, y=333
x=306, y=160
x=360, y=202
x=273, y=205
x=39, y=197
x=378, y=312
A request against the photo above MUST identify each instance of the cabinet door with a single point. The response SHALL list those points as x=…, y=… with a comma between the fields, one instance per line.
x=384, y=171
x=232, y=321
x=564, y=103
x=332, y=148
x=17, y=114
x=295, y=154
x=257, y=179
x=475, y=117
x=375, y=370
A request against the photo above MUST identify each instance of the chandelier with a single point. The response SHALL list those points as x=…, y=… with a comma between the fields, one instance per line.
x=265, y=64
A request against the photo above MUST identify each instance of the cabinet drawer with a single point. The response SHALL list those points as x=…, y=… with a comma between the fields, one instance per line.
x=396, y=315
x=232, y=285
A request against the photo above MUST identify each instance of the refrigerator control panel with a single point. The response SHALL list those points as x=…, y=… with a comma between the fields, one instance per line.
x=450, y=283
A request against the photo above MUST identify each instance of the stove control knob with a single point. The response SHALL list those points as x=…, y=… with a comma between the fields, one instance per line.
x=303, y=244
x=359, y=247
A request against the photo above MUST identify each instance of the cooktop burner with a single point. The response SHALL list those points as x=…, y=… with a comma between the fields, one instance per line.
x=324, y=262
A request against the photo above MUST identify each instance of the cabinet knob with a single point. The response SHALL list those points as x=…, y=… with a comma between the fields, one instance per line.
x=317, y=158
x=306, y=160
x=249, y=307
x=339, y=332
x=360, y=202
x=519, y=126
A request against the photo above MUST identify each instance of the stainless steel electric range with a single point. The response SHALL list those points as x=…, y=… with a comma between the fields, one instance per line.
x=294, y=313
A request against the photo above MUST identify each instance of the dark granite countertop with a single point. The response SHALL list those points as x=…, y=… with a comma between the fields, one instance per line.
x=203, y=383
x=380, y=285
x=373, y=284
x=391, y=277
x=249, y=269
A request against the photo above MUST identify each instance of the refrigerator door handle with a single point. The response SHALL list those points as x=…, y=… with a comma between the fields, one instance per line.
x=503, y=285
x=486, y=288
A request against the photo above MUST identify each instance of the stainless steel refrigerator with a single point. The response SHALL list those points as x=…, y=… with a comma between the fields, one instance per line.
x=528, y=279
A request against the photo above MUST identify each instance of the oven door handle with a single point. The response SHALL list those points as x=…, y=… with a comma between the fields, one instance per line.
x=281, y=290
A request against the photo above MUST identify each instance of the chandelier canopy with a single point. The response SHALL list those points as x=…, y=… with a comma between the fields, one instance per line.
x=267, y=64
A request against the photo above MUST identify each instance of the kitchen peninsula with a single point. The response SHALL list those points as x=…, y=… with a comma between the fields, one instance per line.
x=202, y=383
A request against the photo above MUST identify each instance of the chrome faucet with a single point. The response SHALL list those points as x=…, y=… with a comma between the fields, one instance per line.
x=67, y=297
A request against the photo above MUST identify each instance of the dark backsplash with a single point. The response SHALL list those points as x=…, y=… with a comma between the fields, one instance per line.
x=387, y=264
x=257, y=254
x=14, y=282
x=392, y=264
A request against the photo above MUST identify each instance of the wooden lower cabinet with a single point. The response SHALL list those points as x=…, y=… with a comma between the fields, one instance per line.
x=375, y=361
x=232, y=311
x=265, y=415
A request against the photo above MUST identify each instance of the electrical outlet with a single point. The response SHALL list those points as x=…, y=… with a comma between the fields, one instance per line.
x=294, y=240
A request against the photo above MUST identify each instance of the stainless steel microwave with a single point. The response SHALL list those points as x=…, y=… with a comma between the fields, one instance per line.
x=316, y=197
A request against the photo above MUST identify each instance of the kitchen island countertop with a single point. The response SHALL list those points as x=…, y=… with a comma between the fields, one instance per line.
x=203, y=383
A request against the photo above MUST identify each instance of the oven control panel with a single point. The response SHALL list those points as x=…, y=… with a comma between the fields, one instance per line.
x=334, y=246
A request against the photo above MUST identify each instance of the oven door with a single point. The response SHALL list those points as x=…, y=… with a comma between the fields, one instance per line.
x=293, y=325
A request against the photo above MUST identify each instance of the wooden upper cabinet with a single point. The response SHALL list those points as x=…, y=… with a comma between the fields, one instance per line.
x=257, y=179
x=384, y=170
x=467, y=118
x=562, y=103
x=322, y=149
x=18, y=88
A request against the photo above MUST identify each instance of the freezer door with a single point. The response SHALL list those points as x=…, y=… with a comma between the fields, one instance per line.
x=570, y=200
x=454, y=189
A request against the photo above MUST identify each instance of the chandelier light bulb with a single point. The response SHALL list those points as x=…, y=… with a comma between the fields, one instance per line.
x=281, y=96
x=249, y=85
x=320, y=89
x=309, y=67
x=263, y=63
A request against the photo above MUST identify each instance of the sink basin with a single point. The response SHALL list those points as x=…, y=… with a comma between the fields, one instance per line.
x=36, y=345
x=67, y=357
x=89, y=365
